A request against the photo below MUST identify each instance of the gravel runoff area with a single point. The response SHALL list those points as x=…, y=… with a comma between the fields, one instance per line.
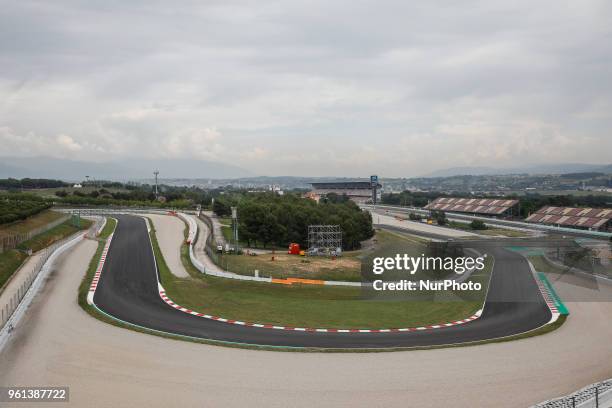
x=169, y=232
x=57, y=343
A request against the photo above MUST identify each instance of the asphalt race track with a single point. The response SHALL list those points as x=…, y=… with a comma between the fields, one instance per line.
x=128, y=291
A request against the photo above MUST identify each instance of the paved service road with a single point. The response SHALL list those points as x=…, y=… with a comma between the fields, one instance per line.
x=128, y=290
x=420, y=228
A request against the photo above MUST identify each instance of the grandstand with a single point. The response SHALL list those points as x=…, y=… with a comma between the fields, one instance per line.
x=594, y=219
x=358, y=191
x=483, y=206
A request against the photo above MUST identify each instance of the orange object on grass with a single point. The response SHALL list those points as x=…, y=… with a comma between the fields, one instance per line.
x=294, y=249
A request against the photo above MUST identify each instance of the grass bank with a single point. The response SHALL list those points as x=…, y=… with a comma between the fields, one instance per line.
x=11, y=260
x=31, y=223
x=491, y=231
x=108, y=229
x=55, y=234
x=541, y=265
x=85, y=283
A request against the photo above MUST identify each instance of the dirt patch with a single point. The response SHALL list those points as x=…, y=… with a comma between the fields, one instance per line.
x=284, y=265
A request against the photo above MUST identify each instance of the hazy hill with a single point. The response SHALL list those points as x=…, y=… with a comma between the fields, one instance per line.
x=125, y=169
x=559, y=168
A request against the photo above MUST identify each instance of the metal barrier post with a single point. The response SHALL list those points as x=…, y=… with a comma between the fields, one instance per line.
x=596, y=397
x=573, y=402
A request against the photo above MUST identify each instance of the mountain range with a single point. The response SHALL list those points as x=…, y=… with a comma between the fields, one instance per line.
x=120, y=170
x=558, y=168
x=139, y=169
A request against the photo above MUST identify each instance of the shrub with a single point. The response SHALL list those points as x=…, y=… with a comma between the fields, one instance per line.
x=15, y=207
x=478, y=225
x=415, y=216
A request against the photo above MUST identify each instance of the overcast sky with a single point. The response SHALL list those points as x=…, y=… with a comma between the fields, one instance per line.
x=313, y=88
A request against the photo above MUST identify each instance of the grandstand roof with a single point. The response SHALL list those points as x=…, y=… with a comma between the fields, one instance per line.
x=492, y=206
x=572, y=216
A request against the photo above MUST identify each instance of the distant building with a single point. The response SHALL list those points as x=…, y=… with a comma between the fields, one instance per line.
x=594, y=219
x=358, y=191
x=483, y=206
x=77, y=186
x=276, y=189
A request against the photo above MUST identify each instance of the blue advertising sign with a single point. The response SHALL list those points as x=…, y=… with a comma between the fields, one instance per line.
x=373, y=181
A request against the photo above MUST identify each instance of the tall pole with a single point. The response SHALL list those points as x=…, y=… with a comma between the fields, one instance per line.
x=156, y=173
x=235, y=225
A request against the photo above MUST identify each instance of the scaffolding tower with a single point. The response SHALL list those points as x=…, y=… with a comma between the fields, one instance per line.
x=324, y=240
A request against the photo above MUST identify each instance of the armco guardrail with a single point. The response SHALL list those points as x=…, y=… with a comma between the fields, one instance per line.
x=597, y=395
x=211, y=243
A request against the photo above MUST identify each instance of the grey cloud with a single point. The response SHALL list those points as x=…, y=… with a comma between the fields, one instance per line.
x=486, y=82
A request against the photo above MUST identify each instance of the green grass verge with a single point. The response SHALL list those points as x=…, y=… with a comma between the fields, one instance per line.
x=86, y=281
x=502, y=232
x=492, y=231
x=55, y=234
x=35, y=221
x=10, y=261
x=87, y=278
x=300, y=305
x=108, y=229
x=482, y=278
x=541, y=265
x=227, y=233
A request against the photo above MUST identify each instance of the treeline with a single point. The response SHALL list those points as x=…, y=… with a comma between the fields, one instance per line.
x=137, y=195
x=527, y=204
x=267, y=218
x=15, y=207
x=88, y=200
x=29, y=183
